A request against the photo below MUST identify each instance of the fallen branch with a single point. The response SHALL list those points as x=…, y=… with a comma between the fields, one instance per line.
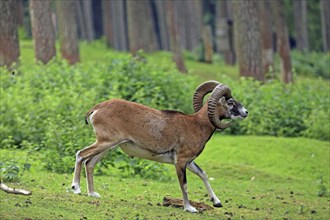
x=14, y=191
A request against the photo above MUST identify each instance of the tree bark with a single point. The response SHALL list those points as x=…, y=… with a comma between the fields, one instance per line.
x=248, y=39
x=162, y=25
x=222, y=33
x=325, y=20
x=282, y=36
x=81, y=24
x=174, y=37
x=189, y=15
x=67, y=26
x=9, y=46
x=141, y=34
x=107, y=22
x=300, y=23
x=181, y=14
x=42, y=30
x=266, y=30
x=231, y=34
x=88, y=19
x=207, y=43
x=198, y=14
x=119, y=24
x=20, y=12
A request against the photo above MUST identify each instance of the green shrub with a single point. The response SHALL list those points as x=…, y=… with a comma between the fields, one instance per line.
x=318, y=122
x=299, y=109
x=311, y=64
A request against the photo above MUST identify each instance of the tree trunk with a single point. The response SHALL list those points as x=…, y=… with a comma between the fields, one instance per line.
x=67, y=26
x=189, y=14
x=119, y=24
x=88, y=19
x=282, y=37
x=193, y=23
x=174, y=37
x=231, y=34
x=81, y=24
x=197, y=23
x=107, y=22
x=266, y=31
x=222, y=33
x=20, y=13
x=207, y=43
x=181, y=14
x=300, y=23
x=163, y=32
x=325, y=20
x=141, y=34
x=222, y=41
x=248, y=39
x=9, y=47
x=42, y=30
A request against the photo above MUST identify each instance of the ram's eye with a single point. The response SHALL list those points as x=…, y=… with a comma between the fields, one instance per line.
x=230, y=103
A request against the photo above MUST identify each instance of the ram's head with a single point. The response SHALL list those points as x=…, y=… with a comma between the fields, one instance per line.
x=221, y=105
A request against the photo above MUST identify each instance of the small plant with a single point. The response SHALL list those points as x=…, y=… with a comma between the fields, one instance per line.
x=12, y=168
x=301, y=210
x=9, y=171
x=323, y=191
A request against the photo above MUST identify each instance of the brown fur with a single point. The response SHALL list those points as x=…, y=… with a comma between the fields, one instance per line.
x=158, y=131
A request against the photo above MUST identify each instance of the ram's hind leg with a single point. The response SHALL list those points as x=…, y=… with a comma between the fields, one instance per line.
x=89, y=167
x=76, y=176
x=85, y=155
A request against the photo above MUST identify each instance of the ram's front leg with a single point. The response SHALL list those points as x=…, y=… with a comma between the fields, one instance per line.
x=181, y=172
x=193, y=167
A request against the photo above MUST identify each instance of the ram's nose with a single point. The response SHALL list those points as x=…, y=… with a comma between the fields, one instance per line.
x=245, y=115
x=244, y=112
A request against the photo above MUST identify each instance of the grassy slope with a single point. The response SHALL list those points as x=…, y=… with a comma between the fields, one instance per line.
x=255, y=177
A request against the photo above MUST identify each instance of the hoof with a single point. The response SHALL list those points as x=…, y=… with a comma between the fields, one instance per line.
x=76, y=189
x=94, y=194
x=190, y=209
x=217, y=205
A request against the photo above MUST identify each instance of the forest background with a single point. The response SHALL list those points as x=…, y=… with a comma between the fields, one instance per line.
x=59, y=58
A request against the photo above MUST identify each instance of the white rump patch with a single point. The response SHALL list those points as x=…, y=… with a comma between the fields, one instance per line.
x=91, y=116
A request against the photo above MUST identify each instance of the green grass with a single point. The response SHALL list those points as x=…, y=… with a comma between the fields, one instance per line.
x=254, y=177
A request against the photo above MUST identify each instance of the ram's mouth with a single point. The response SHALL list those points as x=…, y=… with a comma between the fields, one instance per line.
x=238, y=117
x=226, y=120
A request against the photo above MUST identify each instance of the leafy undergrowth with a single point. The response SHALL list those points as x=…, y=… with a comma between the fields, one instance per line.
x=255, y=178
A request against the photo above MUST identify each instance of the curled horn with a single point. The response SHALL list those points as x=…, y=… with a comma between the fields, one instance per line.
x=218, y=92
x=201, y=91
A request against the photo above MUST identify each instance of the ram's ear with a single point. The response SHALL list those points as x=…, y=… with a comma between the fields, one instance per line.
x=222, y=101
